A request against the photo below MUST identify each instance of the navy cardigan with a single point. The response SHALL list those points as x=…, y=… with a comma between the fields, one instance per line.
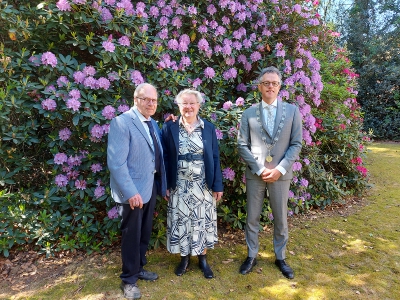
x=170, y=142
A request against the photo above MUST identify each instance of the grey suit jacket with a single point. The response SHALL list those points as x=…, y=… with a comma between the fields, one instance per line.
x=253, y=149
x=131, y=159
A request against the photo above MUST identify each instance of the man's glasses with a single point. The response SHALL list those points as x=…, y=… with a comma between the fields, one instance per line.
x=148, y=100
x=273, y=83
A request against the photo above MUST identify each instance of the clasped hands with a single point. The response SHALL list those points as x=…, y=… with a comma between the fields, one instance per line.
x=270, y=175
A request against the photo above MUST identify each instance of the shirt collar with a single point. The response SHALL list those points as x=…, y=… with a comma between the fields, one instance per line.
x=201, y=122
x=274, y=104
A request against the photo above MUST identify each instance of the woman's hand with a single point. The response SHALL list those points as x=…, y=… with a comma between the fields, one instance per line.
x=171, y=117
x=166, y=197
x=218, y=195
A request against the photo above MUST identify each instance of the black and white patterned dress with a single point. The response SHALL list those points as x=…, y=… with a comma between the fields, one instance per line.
x=192, y=213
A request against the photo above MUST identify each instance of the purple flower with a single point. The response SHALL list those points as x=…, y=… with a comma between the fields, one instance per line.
x=136, y=77
x=219, y=134
x=123, y=108
x=202, y=29
x=306, y=161
x=34, y=60
x=173, y=44
x=225, y=20
x=49, y=58
x=298, y=63
x=227, y=105
x=74, y=94
x=103, y=83
x=113, y=213
x=108, y=112
x=97, y=131
x=113, y=76
x=108, y=46
x=192, y=10
x=177, y=22
x=60, y=158
x=62, y=81
x=185, y=61
x=49, y=104
x=220, y=31
x=280, y=53
x=124, y=41
x=211, y=9
x=239, y=101
x=196, y=82
x=241, y=87
x=203, y=44
x=79, y=77
x=154, y=11
x=296, y=166
x=270, y=216
x=90, y=82
x=73, y=104
x=63, y=5
x=227, y=50
x=231, y=73
x=255, y=56
x=64, y=134
x=80, y=184
x=213, y=116
x=304, y=182
x=61, y=180
x=106, y=128
x=228, y=173
x=96, y=168
x=209, y=72
x=164, y=21
x=89, y=71
x=297, y=8
x=74, y=160
x=105, y=14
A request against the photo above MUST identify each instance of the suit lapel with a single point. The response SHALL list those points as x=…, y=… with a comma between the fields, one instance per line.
x=263, y=121
x=175, y=134
x=139, y=125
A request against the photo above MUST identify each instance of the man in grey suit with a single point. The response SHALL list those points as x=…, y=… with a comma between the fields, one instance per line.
x=269, y=141
x=137, y=175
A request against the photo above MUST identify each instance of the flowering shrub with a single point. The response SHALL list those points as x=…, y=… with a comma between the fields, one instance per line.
x=72, y=67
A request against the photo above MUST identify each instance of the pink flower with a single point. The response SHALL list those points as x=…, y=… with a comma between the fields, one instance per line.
x=49, y=58
x=61, y=180
x=49, y=104
x=80, y=184
x=96, y=168
x=219, y=134
x=108, y=46
x=196, y=82
x=227, y=105
x=73, y=104
x=239, y=101
x=362, y=170
x=63, y=5
x=229, y=174
x=64, y=134
x=209, y=72
x=108, y=112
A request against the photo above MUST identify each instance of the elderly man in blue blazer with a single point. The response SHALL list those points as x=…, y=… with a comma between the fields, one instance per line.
x=137, y=175
x=269, y=141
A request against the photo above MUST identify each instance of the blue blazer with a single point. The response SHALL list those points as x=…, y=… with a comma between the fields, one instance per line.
x=170, y=141
x=131, y=159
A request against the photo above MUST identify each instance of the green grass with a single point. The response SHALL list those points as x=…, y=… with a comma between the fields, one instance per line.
x=340, y=255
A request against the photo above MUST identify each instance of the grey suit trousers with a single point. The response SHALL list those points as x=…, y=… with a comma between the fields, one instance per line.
x=278, y=198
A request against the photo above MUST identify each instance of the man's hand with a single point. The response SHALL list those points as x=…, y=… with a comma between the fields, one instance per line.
x=136, y=201
x=270, y=175
x=171, y=117
x=167, y=194
x=217, y=195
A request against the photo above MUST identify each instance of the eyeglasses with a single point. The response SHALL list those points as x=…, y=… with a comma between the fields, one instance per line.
x=273, y=83
x=188, y=104
x=148, y=100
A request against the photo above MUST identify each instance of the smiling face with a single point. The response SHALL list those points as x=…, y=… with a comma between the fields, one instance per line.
x=146, y=101
x=189, y=107
x=268, y=91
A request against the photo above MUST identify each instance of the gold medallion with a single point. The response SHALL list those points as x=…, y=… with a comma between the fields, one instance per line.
x=268, y=158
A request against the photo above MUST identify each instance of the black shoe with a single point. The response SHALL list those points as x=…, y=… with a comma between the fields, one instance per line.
x=208, y=273
x=286, y=270
x=248, y=264
x=183, y=265
x=146, y=275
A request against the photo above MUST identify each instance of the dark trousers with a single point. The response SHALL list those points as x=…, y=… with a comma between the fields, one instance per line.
x=136, y=227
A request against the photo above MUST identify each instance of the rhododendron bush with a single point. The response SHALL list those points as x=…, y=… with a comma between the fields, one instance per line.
x=69, y=67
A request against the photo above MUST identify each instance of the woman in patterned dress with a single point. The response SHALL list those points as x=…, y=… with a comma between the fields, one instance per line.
x=194, y=183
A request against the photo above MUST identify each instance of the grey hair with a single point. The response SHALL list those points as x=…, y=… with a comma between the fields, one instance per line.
x=140, y=87
x=270, y=70
x=198, y=95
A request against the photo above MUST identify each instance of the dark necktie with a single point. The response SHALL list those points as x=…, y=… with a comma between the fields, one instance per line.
x=156, y=148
